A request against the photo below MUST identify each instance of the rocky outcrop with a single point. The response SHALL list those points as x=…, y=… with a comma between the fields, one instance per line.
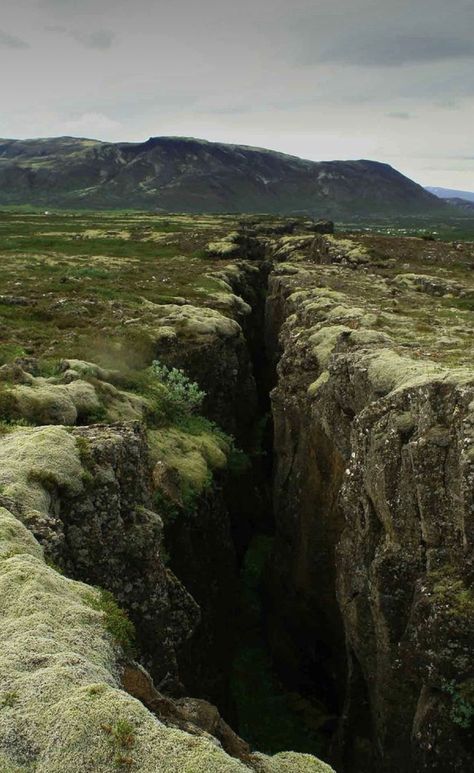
x=62, y=705
x=374, y=532
x=94, y=518
x=85, y=495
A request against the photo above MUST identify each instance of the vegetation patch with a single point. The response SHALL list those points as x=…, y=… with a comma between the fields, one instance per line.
x=116, y=620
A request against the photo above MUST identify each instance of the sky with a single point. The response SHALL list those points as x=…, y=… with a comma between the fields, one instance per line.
x=391, y=80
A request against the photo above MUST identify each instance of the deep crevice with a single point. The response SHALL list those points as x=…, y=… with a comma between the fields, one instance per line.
x=271, y=704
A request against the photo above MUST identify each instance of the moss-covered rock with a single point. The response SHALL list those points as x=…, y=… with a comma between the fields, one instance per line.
x=193, y=457
x=289, y=762
x=373, y=438
x=62, y=709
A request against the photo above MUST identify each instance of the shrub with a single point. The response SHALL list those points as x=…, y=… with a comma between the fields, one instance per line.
x=185, y=396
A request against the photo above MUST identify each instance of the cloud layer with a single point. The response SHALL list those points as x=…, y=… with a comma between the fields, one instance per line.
x=11, y=41
x=389, y=80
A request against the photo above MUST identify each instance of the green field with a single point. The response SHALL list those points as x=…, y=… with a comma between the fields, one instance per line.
x=70, y=281
x=453, y=229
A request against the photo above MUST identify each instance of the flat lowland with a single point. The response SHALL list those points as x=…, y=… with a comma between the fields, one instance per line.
x=95, y=285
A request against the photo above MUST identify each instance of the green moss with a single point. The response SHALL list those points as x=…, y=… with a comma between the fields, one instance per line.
x=462, y=707
x=289, y=762
x=193, y=457
x=33, y=461
x=8, y=405
x=9, y=352
x=8, y=699
x=450, y=590
x=116, y=621
x=7, y=766
x=85, y=453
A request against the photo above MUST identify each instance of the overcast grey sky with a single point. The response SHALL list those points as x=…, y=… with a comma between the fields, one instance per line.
x=391, y=80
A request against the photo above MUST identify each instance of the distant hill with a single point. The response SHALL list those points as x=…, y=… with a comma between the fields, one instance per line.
x=451, y=193
x=461, y=204
x=190, y=175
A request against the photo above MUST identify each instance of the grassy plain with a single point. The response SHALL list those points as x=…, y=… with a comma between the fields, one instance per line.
x=70, y=283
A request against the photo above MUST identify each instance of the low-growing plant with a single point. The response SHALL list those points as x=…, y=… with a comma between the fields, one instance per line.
x=238, y=462
x=462, y=707
x=10, y=425
x=49, y=368
x=96, y=416
x=9, y=352
x=122, y=738
x=185, y=396
x=8, y=699
x=116, y=620
x=8, y=405
x=170, y=510
x=45, y=478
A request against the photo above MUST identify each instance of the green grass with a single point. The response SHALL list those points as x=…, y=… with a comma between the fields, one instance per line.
x=116, y=621
x=454, y=228
x=83, y=274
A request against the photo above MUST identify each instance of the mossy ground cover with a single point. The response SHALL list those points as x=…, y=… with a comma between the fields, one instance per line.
x=449, y=229
x=70, y=283
x=423, y=325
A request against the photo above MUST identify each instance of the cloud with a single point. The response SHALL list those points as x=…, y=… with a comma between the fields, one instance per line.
x=396, y=50
x=11, y=41
x=401, y=116
x=101, y=39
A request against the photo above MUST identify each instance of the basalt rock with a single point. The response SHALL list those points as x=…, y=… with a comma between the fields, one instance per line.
x=374, y=523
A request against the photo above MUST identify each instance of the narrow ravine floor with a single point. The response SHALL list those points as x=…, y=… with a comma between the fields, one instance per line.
x=270, y=716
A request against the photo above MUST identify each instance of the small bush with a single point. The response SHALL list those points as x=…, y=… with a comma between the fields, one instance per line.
x=185, y=396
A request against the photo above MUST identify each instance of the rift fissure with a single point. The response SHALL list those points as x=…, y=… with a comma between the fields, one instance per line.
x=274, y=702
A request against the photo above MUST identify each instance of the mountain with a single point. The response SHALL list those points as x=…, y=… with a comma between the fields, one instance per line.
x=451, y=193
x=463, y=204
x=190, y=175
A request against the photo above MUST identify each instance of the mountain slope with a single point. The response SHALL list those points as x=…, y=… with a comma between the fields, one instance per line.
x=189, y=175
x=451, y=193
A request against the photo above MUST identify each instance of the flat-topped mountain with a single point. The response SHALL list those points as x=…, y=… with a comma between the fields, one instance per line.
x=190, y=175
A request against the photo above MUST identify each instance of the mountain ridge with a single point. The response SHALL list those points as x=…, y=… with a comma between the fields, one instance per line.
x=192, y=175
x=450, y=193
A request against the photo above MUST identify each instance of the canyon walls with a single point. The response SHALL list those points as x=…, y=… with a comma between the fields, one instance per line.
x=362, y=500
x=374, y=518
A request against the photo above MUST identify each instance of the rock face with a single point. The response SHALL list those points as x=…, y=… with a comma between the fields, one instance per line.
x=66, y=645
x=95, y=522
x=374, y=521
x=62, y=705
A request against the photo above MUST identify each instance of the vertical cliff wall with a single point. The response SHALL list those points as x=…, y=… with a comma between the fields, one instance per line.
x=371, y=575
